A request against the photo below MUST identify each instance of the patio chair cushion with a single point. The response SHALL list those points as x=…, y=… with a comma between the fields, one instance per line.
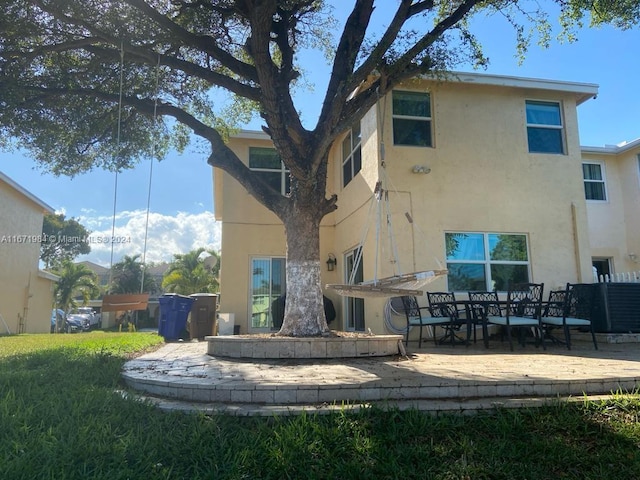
x=571, y=321
x=416, y=321
x=513, y=321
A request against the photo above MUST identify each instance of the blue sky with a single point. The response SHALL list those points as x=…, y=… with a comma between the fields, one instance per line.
x=181, y=189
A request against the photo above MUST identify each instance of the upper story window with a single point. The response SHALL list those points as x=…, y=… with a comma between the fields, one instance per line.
x=412, y=119
x=544, y=127
x=486, y=261
x=351, y=154
x=594, y=181
x=267, y=161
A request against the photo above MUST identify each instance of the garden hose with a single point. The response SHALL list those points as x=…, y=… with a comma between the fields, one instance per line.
x=393, y=307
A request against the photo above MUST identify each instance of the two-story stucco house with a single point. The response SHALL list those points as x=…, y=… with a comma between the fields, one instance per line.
x=612, y=189
x=26, y=292
x=484, y=176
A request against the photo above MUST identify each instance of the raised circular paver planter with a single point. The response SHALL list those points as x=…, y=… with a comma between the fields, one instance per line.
x=272, y=347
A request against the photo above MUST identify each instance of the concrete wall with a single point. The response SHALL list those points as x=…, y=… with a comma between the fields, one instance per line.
x=26, y=294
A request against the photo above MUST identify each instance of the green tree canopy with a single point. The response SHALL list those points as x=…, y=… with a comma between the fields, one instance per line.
x=127, y=276
x=76, y=281
x=63, y=239
x=83, y=81
x=192, y=273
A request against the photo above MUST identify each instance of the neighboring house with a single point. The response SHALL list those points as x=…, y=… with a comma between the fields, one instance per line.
x=489, y=168
x=102, y=273
x=157, y=273
x=26, y=292
x=612, y=189
x=104, y=277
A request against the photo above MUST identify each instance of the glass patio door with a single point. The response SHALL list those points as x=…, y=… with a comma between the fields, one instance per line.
x=354, y=307
x=267, y=284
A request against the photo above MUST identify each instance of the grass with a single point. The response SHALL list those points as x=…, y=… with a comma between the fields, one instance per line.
x=61, y=417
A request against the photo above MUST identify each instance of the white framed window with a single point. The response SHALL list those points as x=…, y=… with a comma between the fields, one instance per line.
x=486, y=261
x=412, y=122
x=595, y=187
x=268, y=283
x=351, y=154
x=545, y=131
x=274, y=172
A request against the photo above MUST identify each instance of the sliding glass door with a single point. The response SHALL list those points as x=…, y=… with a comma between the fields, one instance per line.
x=267, y=284
x=354, y=307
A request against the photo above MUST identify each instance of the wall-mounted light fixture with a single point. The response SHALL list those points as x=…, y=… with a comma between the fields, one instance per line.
x=331, y=262
x=421, y=169
x=633, y=257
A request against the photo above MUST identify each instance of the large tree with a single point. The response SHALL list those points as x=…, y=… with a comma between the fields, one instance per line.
x=60, y=78
x=63, y=239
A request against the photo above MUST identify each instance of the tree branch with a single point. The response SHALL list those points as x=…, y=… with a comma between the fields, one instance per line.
x=346, y=55
x=427, y=40
x=149, y=56
x=374, y=59
x=279, y=112
x=200, y=42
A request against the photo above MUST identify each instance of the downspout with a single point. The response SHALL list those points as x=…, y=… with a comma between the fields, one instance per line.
x=25, y=309
x=576, y=242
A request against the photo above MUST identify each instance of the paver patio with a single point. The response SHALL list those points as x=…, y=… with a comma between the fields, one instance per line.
x=443, y=378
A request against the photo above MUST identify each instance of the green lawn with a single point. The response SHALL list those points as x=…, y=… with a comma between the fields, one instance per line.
x=62, y=417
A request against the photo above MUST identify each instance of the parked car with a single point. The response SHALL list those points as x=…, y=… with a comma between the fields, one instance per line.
x=78, y=322
x=95, y=319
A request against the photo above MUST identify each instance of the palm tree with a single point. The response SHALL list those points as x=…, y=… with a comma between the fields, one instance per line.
x=76, y=280
x=193, y=272
x=127, y=275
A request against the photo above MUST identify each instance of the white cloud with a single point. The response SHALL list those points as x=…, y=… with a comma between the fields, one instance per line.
x=166, y=235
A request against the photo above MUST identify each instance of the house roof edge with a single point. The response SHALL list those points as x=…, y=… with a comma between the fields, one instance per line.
x=611, y=149
x=583, y=91
x=13, y=184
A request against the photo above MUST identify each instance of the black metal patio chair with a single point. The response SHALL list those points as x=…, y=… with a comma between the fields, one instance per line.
x=417, y=317
x=523, y=310
x=483, y=304
x=443, y=305
x=574, y=311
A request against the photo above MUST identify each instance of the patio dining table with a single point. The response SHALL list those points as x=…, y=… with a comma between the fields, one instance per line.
x=473, y=312
x=478, y=316
x=464, y=316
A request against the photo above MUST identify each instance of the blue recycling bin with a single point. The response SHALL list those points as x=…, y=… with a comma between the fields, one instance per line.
x=174, y=311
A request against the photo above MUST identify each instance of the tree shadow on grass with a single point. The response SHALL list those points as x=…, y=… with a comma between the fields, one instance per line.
x=62, y=417
x=564, y=441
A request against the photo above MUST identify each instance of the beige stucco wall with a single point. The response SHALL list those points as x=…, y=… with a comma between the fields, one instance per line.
x=482, y=179
x=251, y=230
x=631, y=191
x=26, y=296
x=614, y=224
